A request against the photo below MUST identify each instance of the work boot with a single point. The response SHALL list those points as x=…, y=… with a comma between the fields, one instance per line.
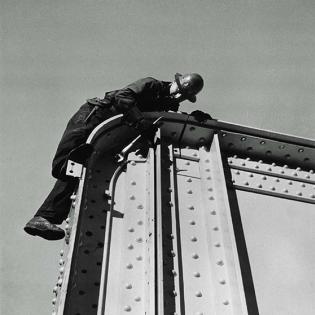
x=42, y=227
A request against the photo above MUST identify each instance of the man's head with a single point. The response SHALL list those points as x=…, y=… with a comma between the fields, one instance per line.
x=186, y=87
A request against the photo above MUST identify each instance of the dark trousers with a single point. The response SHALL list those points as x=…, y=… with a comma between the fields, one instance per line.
x=57, y=204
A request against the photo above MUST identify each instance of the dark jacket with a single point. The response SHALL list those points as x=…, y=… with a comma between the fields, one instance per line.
x=146, y=94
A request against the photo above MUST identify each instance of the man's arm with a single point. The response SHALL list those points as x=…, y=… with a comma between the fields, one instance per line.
x=126, y=101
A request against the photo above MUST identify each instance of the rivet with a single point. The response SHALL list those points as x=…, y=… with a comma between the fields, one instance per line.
x=222, y=281
x=73, y=197
x=260, y=161
x=192, y=223
x=139, y=240
x=61, y=262
x=224, y=134
x=133, y=163
x=300, y=150
x=61, y=270
x=209, y=177
x=243, y=138
x=195, y=256
x=215, y=228
x=132, y=197
x=197, y=274
x=191, y=207
x=210, y=189
x=273, y=164
x=230, y=162
x=311, y=171
x=262, y=142
x=140, y=222
x=174, y=273
x=235, y=156
x=195, y=154
x=198, y=294
x=189, y=192
x=285, y=190
x=217, y=245
x=140, y=206
x=282, y=171
x=130, y=246
x=54, y=300
x=237, y=173
x=312, y=196
x=193, y=239
x=139, y=258
x=189, y=180
x=133, y=183
x=295, y=174
x=128, y=286
x=127, y=308
x=259, y=185
x=273, y=188
x=172, y=236
x=172, y=253
x=277, y=180
x=213, y=212
x=208, y=170
x=299, y=193
x=61, y=253
x=282, y=147
x=290, y=183
x=226, y=302
x=269, y=169
x=251, y=175
x=246, y=183
x=67, y=227
x=302, y=185
x=307, y=176
x=137, y=298
x=243, y=164
x=174, y=293
x=55, y=289
x=220, y=263
x=211, y=198
x=247, y=159
x=68, y=220
x=257, y=166
x=131, y=229
x=264, y=177
x=298, y=169
x=170, y=203
x=187, y=163
x=285, y=166
x=207, y=161
x=59, y=282
x=129, y=266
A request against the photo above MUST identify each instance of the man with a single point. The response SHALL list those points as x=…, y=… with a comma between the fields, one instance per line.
x=144, y=95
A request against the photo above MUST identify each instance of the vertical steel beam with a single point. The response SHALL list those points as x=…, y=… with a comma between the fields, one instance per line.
x=227, y=280
x=158, y=228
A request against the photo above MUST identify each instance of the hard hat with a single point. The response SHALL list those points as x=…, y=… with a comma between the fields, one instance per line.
x=189, y=85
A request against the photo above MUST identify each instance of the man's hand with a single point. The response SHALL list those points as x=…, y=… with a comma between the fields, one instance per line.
x=147, y=129
x=200, y=116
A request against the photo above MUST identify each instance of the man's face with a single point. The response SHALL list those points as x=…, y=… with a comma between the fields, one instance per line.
x=174, y=92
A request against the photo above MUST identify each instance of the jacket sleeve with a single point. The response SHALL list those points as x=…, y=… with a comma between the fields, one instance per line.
x=126, y=99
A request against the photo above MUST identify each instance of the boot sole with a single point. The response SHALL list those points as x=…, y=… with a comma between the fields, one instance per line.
x=46, y=234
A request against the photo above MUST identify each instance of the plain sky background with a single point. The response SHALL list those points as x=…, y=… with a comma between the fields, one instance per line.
x=257, y=58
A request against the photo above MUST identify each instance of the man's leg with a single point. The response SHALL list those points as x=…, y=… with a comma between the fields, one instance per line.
x=53, y=211
x=56, y=206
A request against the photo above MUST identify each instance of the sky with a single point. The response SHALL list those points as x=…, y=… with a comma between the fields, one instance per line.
x=256, y=57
